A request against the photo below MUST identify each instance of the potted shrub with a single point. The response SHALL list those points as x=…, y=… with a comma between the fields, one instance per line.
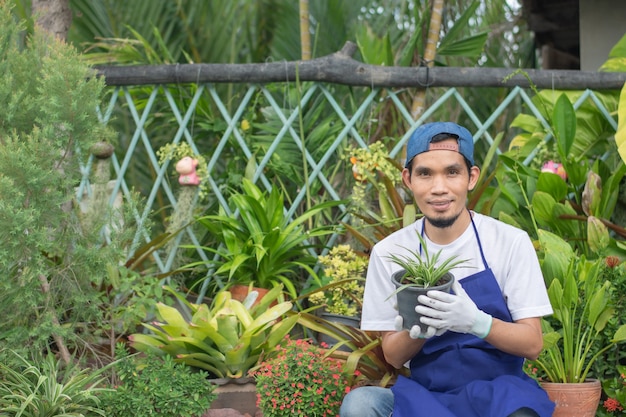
x=421, y=272
x=341, y=285
x=573, y=337
x=300, y=379
x=257, y=243
x=339, y=291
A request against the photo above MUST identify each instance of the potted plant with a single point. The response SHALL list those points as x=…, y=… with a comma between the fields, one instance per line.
x=340, y=287
x=363, y=355
x=227, y=339
x=300, y=379
x=339, y=291
x=257, y=243
x=573, y=337
x=421, y=271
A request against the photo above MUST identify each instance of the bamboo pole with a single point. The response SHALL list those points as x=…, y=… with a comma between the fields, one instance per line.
x=434, y=28
x=305, y=33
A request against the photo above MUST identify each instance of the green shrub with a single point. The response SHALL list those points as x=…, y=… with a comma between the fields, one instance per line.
x=154, y=386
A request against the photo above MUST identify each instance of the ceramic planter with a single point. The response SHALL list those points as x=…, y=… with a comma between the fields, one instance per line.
x=407, y=298
x=351, y=321
x=574, y=400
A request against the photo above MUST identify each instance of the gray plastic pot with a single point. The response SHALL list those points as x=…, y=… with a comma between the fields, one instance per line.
x=407, y=298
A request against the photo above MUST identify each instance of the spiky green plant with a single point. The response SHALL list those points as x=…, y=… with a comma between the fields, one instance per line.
x=423, y=268
x=227, y=338
x=31, y=389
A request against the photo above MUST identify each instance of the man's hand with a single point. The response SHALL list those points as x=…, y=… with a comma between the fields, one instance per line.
x=416, y=332
x=456, y=312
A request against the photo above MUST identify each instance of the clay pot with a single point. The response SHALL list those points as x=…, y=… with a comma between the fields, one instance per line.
x=240, y=292
x=573, y=399
x=407, y=298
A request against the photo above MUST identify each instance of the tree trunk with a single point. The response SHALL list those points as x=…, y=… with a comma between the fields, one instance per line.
x=53, y=16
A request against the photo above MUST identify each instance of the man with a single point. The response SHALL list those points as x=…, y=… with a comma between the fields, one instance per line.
x=469, y=361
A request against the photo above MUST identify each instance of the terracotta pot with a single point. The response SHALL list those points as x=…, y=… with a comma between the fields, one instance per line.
x=240, y=292
x=407, y=299
x=574, y=400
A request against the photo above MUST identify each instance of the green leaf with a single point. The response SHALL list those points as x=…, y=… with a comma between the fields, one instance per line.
x=461, y=25
x=374, y=50
x=564, y=120
x=469, y=47
x=552, y=184
x=620, y=334
x=557, y=255
x=597, y=302
x=620, y=134
x=543, y=206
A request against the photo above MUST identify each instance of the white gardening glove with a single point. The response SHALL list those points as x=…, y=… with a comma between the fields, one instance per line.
x=456, y=312
x=416, y=332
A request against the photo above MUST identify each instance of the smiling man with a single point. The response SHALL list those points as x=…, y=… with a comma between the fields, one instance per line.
x=469, y=361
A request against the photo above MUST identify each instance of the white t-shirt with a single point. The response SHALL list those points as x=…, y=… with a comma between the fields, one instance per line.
x=509, y=253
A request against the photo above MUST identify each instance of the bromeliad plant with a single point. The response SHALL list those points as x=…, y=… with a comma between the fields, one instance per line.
x=581, y=300
x=226, y=339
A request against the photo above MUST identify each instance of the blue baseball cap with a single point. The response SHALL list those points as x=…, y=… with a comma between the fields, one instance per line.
x=420, y=140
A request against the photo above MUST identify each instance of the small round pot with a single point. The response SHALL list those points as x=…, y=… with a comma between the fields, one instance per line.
x=574, y=399
x=407, y=299
x=240, y=292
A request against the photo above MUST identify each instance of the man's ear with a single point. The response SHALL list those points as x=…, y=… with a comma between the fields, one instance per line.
x=406, y=177
x=473, y=177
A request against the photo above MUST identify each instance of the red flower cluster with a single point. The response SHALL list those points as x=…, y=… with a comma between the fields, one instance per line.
x=300, y=380
x=612, y=405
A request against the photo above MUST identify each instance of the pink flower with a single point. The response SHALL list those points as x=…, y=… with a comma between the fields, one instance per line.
x=555, y=168
x=611, y=261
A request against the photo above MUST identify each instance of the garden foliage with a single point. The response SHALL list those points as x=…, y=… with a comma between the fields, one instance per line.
x=54, y=257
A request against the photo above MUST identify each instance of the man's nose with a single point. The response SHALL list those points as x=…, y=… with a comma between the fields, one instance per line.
x=439, y=184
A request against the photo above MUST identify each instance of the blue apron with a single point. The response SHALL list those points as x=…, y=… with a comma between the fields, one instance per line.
x=461, y=375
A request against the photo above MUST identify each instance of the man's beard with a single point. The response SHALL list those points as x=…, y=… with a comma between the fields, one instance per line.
x=443, y=222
